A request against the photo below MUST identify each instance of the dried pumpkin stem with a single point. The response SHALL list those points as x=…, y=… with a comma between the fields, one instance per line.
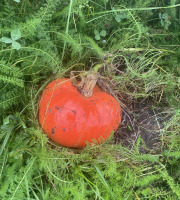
x=87, y=84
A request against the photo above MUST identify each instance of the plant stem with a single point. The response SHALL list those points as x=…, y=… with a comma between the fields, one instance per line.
x=88, y=84
x=10, y=55
x=67, y=30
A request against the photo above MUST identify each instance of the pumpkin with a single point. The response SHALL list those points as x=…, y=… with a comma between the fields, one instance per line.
x=73, y=120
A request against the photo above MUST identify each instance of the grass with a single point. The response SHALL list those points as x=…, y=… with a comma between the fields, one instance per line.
x=140, y=59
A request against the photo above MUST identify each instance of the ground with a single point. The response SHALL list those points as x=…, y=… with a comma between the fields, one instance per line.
x=146, y=121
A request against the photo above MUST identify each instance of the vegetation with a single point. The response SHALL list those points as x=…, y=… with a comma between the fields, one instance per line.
x=42, y=40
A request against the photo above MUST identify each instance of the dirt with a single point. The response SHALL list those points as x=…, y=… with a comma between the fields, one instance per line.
x=146, y=122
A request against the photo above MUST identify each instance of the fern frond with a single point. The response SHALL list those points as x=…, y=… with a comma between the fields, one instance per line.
x=11, y=71
x=147, y=180
x=175, y=187
x=175, y=154
x=29, y=28
x=94, y=47
x=69, y=40
x=9, y=102
x=13, y=80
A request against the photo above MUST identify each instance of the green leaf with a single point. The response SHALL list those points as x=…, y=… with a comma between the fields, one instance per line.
x=96, y=32
x=160, y=15
x=97, y=37
x=117, y=18
x=13, y=80
x=122, y=16
x=103, y=33
x=18, y=1
x=6, y=40
x=16, y=45
x=165, y=16
x=5, y=142
x=162, y=22
x=6, y=120
x=15, y=34
x=95, y=46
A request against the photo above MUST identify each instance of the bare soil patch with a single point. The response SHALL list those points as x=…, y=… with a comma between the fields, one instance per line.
x=145, y=121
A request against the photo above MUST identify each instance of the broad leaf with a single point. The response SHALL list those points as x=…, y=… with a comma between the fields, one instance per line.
x=103, y=33
x=118, y=18
x=122, y=16
x=96, y=32
x=162, y=22
x=15, y=34
x=16, y=45
x=97, y=37
x=6, y=40
x=6, y=120
x=160, y=15
x=165, y=16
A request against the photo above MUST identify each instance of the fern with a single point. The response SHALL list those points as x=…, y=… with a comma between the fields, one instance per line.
x=10, y=98
x=174, y=154
x=11, y=74
x=94, y=47
x=12, y=83
x=174, y=186
x=12, y=80
x=143, y=182
x=10, y=70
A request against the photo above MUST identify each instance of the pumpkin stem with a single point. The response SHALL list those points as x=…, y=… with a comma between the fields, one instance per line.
x=87, y=84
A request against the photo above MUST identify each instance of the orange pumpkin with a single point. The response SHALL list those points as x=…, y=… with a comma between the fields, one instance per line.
x=72, y=120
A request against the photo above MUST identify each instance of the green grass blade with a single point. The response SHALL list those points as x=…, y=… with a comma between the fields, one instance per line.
x=30, y=165
x=104, y=181
x=5, y=142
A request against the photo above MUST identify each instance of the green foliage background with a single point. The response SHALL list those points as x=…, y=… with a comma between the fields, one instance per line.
x=57, y=36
